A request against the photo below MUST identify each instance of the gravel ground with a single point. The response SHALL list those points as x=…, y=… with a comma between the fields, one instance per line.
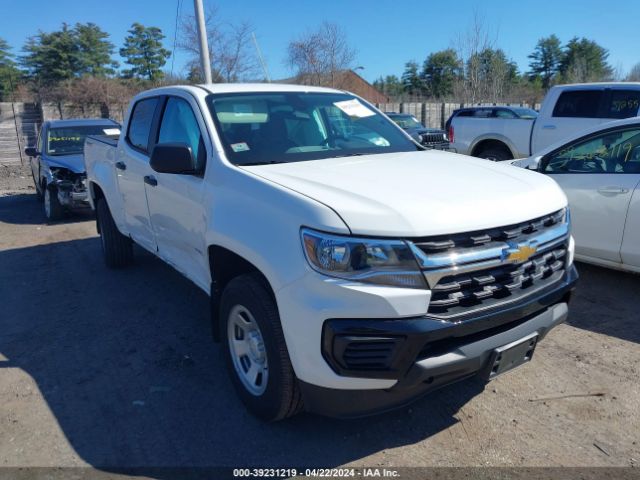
x=116, y=368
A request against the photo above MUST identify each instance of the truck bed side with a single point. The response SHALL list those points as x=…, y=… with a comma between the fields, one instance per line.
x=472, y=134
x=100, y=157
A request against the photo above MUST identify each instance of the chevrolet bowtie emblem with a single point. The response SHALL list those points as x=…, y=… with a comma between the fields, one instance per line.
x=518, y=253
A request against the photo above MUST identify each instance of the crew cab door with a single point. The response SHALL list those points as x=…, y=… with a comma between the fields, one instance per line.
x=176, y=204
x=574, y=110
x=599, y=174
x=132, y=166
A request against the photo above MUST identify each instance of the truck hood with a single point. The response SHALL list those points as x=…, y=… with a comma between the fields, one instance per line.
x=416, y=194
x=75, y=163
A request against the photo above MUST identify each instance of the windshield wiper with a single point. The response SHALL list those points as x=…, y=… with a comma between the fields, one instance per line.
x=252, y=164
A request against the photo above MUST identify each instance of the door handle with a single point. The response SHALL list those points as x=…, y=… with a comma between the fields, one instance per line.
x=549, y=127
x=121, y=165
x=612, y=190
x=150, y=180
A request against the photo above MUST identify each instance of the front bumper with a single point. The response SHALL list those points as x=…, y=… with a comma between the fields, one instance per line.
x=422, y=353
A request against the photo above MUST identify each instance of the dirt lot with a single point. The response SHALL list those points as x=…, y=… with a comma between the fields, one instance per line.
x=117, y=368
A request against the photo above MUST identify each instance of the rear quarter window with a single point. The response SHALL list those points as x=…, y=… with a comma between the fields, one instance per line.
x=140, y=123
x=578, y=104
x=623, y=104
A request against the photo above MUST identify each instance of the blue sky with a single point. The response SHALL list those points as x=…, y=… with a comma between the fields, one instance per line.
x=385, y=33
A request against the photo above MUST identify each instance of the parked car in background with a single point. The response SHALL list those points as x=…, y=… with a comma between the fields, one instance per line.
x=567, y=109
x=57, y=163
x=599, y=171
x=350, y=269
x=428, y=137
x=492, y=112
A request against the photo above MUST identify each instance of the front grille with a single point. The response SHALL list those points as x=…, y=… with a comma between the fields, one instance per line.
x=365, y=353
x=456, y=294
x=512, y=233
x=481, y=269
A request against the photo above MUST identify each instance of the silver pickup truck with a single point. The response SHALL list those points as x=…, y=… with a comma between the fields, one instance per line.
x=503, y=133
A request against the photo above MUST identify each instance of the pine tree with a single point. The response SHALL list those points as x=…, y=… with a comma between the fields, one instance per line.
x=143, y=50
x=545, y=60
x=94, y=50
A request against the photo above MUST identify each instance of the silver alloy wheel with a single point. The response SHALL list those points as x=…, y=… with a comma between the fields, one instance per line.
x=247, y=350
x=47, y=203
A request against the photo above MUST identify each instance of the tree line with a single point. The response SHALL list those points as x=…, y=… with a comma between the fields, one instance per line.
x=52, y=62
x=476, y=70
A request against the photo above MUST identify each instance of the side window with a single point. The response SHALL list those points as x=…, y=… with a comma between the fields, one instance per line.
x=140, y=123
x=482, y=113
x=578, y=104
x=623, y=104
x=616, y=151
x=179, y=125
x=503, y=113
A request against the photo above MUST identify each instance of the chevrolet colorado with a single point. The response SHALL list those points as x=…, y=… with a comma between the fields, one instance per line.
x=349, y=269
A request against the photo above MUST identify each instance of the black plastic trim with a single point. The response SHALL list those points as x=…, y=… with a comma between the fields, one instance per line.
x=418, y=332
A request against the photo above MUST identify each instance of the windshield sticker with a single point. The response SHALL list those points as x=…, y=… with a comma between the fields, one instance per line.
x=354, y=108
x=239, y=147
x=111, y=131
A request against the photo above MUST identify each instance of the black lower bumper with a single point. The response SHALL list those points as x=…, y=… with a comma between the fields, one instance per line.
x=425, y=353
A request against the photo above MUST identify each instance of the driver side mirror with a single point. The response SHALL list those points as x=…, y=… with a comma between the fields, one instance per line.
x=534, y=163
x=31, y=151
x=174, y=158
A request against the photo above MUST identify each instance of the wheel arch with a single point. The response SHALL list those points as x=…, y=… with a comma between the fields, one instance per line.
x=493, y=141
x=224, y=266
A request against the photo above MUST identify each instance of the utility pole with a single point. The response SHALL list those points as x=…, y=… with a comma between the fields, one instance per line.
x=204, y=45
x=264, y=65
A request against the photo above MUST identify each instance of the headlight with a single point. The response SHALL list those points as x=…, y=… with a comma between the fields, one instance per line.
x=367, y=260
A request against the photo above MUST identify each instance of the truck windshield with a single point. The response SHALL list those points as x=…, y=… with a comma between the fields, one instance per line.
x=70, y=140
x=259, y=128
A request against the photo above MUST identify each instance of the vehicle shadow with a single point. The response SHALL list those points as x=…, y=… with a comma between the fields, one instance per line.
x=25, y=209
x=125, y=362
x=606, y=301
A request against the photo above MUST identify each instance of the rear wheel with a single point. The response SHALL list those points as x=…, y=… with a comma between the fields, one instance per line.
x=255, y=350
x=495, y=154
x=52, y=208
x=116, y=248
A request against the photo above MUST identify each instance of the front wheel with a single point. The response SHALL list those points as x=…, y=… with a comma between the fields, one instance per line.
x=255, y=351
x=52, y=208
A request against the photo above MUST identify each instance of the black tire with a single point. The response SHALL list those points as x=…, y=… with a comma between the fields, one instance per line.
x=53, y=210
x=495, y=154
x=281, y=397
x=116, y=248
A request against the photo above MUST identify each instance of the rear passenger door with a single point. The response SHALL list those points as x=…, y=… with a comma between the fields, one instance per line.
x=175, y=200
x=133, y=166
x=575, y=110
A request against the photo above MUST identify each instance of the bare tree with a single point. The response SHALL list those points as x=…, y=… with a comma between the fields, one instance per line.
x=469, y=45
x=634, y=74
x=231, y=54
x=319, y=57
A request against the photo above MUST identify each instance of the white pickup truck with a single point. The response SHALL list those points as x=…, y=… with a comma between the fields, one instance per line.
x=488, y=132
x=349, y=269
